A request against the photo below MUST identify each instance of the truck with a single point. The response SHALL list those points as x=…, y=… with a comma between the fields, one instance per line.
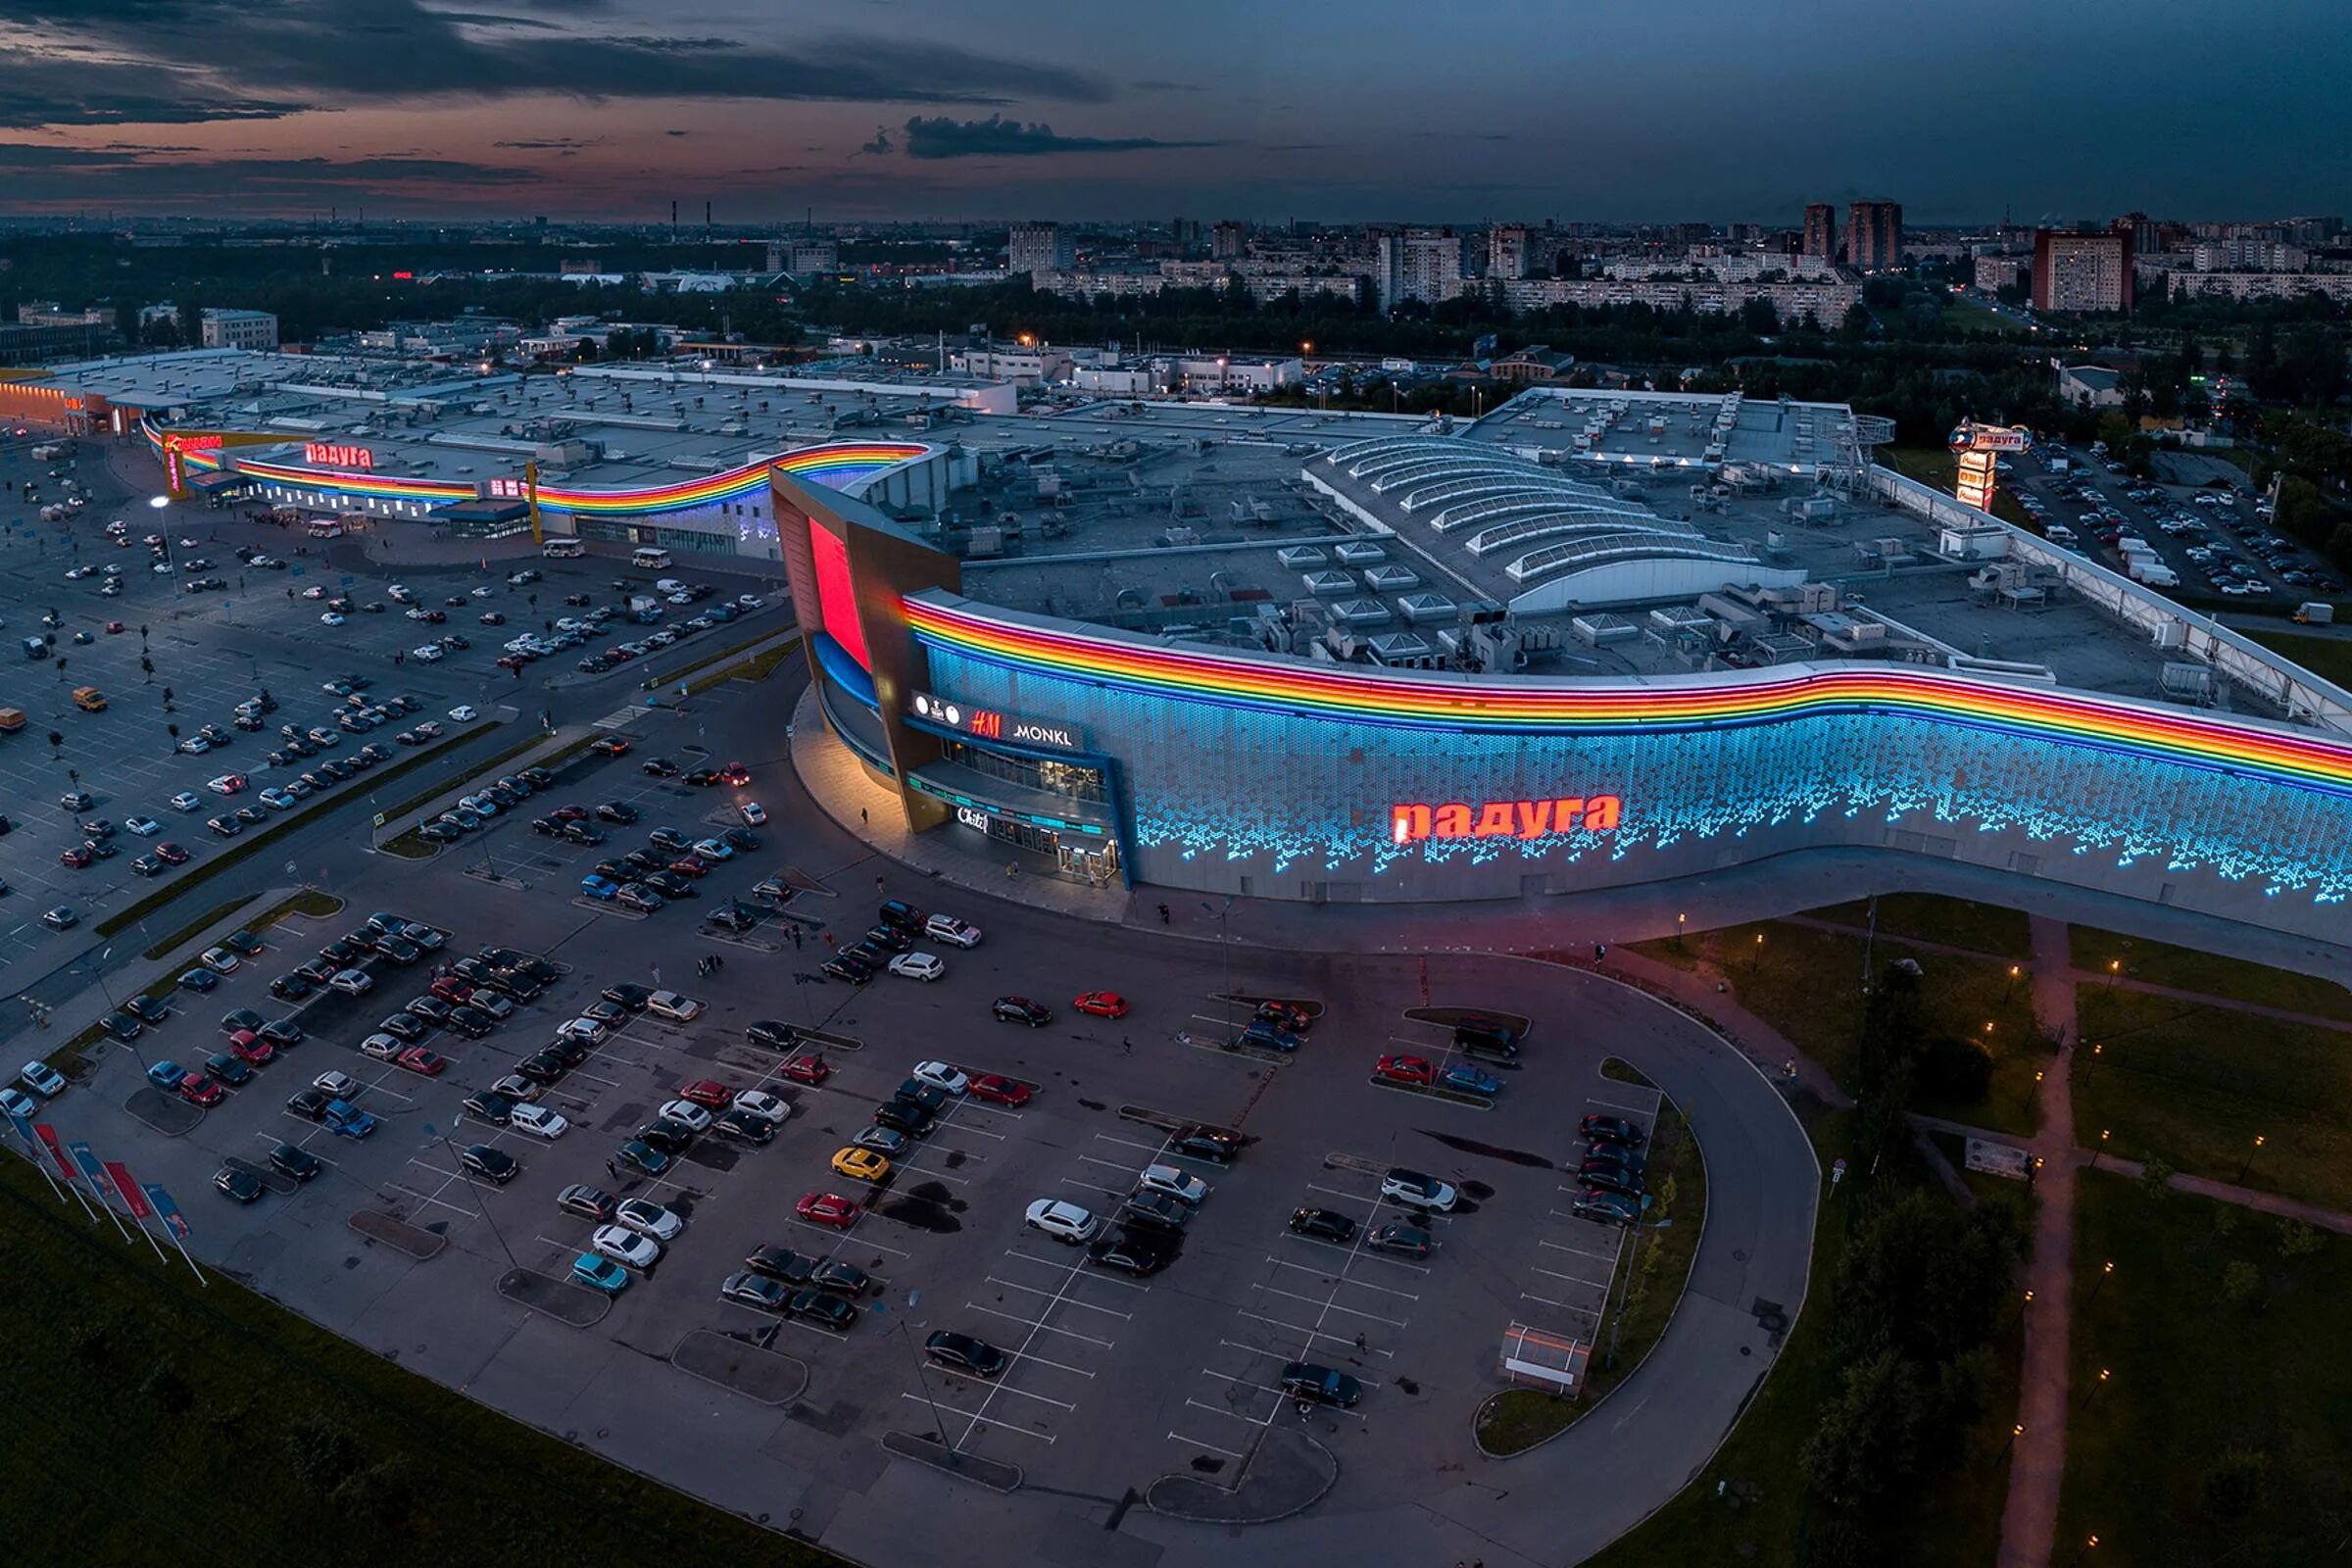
x=2155, y=575
x=644, y=608
x=2059, y=465
x=2315, y=612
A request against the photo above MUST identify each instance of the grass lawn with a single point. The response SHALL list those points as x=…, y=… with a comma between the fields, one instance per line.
x=1962, y=314
x=1986, y=928
x=1937, y=469
x=2208, y=974
x=1650, y=1276
x=1807, y=982
x=183, y=1380
x=1761, y=1520
x=2199, y=1383
x=2325, y=657
x=2195, y=1085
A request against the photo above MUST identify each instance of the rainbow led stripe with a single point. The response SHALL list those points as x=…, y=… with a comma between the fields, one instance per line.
x=1203, y=674
x=841, y=465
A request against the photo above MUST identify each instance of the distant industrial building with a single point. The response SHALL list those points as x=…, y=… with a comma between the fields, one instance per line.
x=48, y=313
x=804, y=258
x=2090, y=386
x=2077, y=272
x=1035, y=248
x=255, y=331
x=1874, y=236
x=1820, y=230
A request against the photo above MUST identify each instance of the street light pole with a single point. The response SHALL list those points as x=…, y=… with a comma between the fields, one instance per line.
x=481, y=1207
x=922, y=1375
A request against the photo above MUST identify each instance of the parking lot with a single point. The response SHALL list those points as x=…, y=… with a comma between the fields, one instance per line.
x=170, y=659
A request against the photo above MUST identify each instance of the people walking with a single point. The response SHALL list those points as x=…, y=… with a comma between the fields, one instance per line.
x=1163, y=914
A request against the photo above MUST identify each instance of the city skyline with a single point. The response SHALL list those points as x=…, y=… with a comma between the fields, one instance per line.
x=610, y=110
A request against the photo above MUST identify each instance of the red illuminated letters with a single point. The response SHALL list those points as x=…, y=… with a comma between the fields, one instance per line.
x=1505, y=819
x=331, y=455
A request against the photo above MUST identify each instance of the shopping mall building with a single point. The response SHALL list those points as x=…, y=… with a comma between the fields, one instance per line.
x=1595, y=638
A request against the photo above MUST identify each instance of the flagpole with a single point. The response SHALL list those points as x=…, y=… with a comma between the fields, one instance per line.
x=119, y=1174
x=57, y=1152
x=185, y=1258
x=87, y=1160
x=168, y=1211
x=42, y=1166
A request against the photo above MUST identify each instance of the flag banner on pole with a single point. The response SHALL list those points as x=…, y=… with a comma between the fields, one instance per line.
x=132, y=1198
x=23, y=1127
x=86, y=1158
x=48, y=1137
x=167, y=1210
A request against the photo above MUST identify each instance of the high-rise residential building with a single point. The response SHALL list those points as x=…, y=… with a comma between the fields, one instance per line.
x=2142, y=229
x=1034, y=248
x=1820, y=230
x=1228, y=241
x=2074, y=273
x=239, y=329
x=1420, y=263
x=1874, y=236
x=1509, y=256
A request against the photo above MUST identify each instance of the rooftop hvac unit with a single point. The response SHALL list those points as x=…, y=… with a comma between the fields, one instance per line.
x=1329, y=584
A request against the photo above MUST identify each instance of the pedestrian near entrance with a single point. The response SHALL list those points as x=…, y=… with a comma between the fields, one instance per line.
x=1600, y=950
x=1126, y=1046
x=612, y=1170
x=864, y=818
x=1163, y=914
x=877, y=887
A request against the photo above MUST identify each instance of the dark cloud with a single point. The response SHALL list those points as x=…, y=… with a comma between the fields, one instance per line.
x=879, y=147
x=549, y=144
x=677, y=133
x=941, y=136
x=1156, y=84
x=185, y=60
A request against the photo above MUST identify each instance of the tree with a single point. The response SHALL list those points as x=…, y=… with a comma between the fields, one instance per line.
x=324, y=1453
x=147, y=668
x=2241, y=1281
x=2155, y=1179
x=1955, y=1069
x=173, y=731
x=2234, y=1486
x=57, y=744
x=2297, y=1239
x=1866, y=1446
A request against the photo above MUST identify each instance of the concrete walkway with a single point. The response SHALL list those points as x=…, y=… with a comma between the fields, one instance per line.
x=2037, y=1466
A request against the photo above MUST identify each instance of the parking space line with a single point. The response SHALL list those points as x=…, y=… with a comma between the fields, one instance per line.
x=1061, y=1295
x=1231, y=1415
x=972, y=1420
x=1293, y=1238
x=991, y=1383
x=1114, y=1164
x=1129, y=1143
x=1049, y=1328
x=1177, y=1437
x=1311, y=1334
x=1617, y=1105
x=1342, y=1278
x=1573, y=1279
x=1331, y=1306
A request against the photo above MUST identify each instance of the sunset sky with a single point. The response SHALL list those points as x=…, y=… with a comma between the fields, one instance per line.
x=1577, y=109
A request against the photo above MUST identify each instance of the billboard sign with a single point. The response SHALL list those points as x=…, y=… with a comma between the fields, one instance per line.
x=994, y=724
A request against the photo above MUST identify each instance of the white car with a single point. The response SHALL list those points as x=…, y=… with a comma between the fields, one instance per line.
x=481, y=593
x=1063, y=1221
x=917, y=966
x=1416, y=1191
x=588, y=1030
x=1181, y=1185
x=762, y=1105
x=753, y=813
x=351, y=982
x=15, y=1103
x=226, y=784
x=428, y=654
x=649, y=1219
x=220, y=960
x=338, y=1085
x=715, y=850
x=749, y=602
x=162, y=568
x=479, y=805
x=330, y=619
x=620, y=1241
x=946, y=928
x=195, y=746
x=42, y=1079
x=688, y=1113
x=184, y=800
x=145, y=827
x=278, y=799
x=515, y=1086
x=941, y=1075
x=674, y=1005
x=463, y=714
x=537, y=1120
x=384, y=1048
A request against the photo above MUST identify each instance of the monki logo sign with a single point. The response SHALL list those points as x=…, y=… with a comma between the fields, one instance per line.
x=1505, y=819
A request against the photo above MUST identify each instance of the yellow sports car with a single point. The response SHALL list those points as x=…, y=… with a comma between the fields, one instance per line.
x=861, y=1164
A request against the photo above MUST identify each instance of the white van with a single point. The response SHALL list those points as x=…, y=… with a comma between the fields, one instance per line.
x=647, y=558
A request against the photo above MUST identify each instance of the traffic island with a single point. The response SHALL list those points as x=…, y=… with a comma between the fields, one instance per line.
x=397, y=1233
x=924, y=1449
x=167, y=1114
x=753, y=1371
x=1286, y=1474
x=561, y=1299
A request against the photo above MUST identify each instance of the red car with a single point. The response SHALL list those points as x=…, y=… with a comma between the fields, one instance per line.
x=1103, y=1004
x=113, y=626
x=610, y=746
x=811, y=1070
x=827, y=1209
x=1286, y=1015
x=198, y=1090
x=170, y=855
x=691, y=865
x=999, y=1089
x=1406, y=1070
x=246, y=1045
x=78, y=857
x=448, y=988
x=427, y=1063
x=569, y=814
x=735, y=773
x=708, y=1092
